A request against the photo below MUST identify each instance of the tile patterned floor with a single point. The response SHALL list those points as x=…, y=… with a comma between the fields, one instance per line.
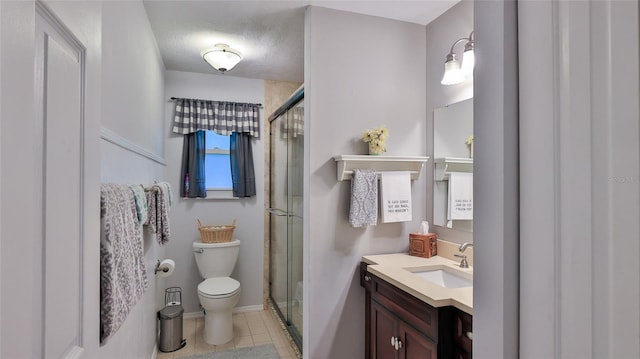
x=250, y=329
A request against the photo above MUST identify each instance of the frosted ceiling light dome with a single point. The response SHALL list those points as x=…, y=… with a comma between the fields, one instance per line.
x=221, y=57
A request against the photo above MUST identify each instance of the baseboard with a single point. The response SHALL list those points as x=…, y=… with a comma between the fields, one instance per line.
x=197, y=314
x=245, y=309
x=249, y=308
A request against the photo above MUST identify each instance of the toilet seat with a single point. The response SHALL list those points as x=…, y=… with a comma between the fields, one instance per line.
x=220, y=287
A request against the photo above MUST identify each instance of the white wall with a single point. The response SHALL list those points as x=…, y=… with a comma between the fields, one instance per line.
x=495, y=187
x=133, y=78
x=378, y=78
x=132, y=107
x=442, y=32
x=248, y=212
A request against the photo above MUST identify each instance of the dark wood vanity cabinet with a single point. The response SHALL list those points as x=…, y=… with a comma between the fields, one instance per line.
x=462, y=329
x=400, y=326
x=396, y=339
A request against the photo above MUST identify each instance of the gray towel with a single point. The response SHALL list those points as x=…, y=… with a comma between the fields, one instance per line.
x=123, y=278
x=158, y=198
x=364, y=198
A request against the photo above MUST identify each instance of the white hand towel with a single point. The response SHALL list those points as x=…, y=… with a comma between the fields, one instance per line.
x=364, y=198
x=460, y=206
x=396, y=196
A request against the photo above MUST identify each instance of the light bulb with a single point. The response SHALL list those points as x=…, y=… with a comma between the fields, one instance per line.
x=468, y=63
x=452, y=73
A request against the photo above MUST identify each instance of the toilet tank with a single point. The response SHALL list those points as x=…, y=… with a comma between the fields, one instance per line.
x=216, y=259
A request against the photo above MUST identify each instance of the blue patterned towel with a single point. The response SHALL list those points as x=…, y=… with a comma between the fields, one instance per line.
x=141, y=202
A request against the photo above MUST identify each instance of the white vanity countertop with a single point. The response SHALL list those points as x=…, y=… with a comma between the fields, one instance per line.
x=393, y=269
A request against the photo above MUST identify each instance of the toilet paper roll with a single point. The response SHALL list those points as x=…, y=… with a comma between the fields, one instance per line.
x=167, y=267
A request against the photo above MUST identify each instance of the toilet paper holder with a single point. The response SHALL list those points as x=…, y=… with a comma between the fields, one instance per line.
x=160, y=268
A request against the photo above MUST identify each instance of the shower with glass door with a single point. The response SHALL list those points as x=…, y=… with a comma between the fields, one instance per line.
x=286, y=131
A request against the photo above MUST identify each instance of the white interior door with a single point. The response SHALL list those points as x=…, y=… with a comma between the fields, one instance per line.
x=579, y=179
x=59, y=107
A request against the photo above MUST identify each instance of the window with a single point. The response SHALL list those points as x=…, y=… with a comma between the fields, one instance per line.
x=217, y=165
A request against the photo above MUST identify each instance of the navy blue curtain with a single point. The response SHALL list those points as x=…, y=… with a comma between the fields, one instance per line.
x=242, y=172
x=192, y=174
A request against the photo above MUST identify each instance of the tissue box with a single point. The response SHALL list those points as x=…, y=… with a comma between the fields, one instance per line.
x=423, y=245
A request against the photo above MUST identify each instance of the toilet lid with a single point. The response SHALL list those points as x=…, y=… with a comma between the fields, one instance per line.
x=220, y=286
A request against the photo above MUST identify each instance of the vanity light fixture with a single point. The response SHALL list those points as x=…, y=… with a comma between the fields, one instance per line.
x=221, y=57
x=454, y=72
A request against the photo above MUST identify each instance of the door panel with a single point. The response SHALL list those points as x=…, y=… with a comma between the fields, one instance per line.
x=59, y=78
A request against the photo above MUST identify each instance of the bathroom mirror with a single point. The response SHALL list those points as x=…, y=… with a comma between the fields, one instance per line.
x=453, y=166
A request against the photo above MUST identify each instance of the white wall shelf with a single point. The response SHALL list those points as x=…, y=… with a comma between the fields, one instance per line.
x=446, y=165
x=347, y=163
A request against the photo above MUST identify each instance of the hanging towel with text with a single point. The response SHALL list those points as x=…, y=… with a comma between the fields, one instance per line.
x=395, y=196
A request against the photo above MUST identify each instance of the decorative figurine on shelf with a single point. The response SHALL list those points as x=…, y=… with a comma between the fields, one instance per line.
x=469, y=143
x=377, y=139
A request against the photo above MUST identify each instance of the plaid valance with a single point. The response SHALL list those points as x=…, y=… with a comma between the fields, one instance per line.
x=220, y=117
x=294, y=125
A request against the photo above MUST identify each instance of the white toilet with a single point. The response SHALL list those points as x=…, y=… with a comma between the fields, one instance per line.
x=218, y=293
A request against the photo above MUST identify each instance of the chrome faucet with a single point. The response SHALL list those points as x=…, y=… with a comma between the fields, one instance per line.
x=463, y=262
x=464, y=246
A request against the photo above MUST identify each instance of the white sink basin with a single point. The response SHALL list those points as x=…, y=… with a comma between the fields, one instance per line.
x=445, y=278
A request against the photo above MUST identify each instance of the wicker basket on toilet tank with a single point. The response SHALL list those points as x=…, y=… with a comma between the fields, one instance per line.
x=216, y=234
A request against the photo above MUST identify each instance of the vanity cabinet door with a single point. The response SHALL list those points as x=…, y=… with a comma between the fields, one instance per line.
x=416, y=345
x=393, y=338
x=463, y=326
x=384, y=327
x=461, y=354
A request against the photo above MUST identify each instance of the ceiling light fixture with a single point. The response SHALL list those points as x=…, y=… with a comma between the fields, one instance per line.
x=221, y=57
x=454, y=72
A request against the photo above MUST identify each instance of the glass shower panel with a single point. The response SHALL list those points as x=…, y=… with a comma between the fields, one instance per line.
x=278, y=219
x=295, y=121
x=286, y=216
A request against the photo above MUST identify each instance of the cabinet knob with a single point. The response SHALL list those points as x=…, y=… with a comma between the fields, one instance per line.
x=398, y=344
x=367, y=278
x=469, y=335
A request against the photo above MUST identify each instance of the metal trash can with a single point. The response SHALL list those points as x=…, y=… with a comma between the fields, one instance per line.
x=171, y=322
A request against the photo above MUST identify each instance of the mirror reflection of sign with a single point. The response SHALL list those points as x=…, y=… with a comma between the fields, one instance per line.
x=463, y=205
x=398, y=206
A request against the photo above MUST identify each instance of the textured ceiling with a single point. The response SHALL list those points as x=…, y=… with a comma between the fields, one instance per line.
x=270, y=34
